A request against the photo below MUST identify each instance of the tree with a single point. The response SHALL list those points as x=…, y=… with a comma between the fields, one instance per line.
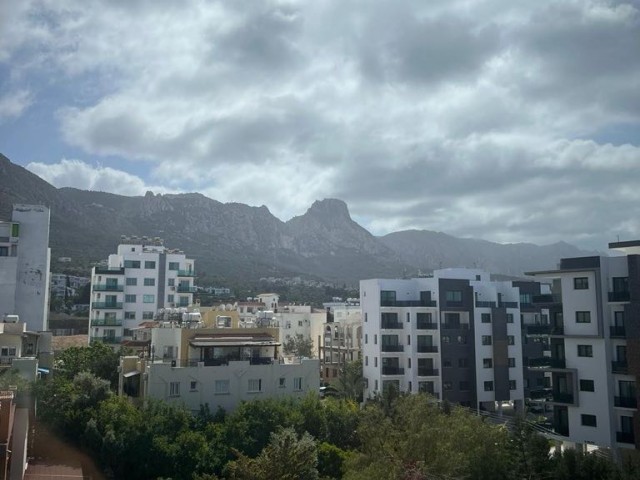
x=350, y=382
x=286, y=457
x=97, y=358
x=298, y=346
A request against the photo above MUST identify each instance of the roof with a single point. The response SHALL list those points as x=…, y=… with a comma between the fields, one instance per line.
x=148, y=324
x=233, y=340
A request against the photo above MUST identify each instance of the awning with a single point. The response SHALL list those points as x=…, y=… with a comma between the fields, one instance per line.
x=44, y=370
x=131, y=374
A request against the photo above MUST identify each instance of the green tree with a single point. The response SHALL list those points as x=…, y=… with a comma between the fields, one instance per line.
x=97, y=358
x=298, y=346
x=530, y=452
x=350, y=382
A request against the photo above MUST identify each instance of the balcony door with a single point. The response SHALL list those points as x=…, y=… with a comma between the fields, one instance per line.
x=621, y=353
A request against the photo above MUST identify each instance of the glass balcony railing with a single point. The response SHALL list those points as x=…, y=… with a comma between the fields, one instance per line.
x=186, y=273
x=391, y=325
x=408, y=303
x=625, y=402
x=617, y=331
x=106, y=305
x=619, y=296
x=109, y=340
x=547, y=362
x=538, y=329
x=620, y=367
x=625, y=437
x=427, y=372
x=106, y=322
x=393, y=348
x=455, y=326
x=426, y=326
x=562, y=397
x=427, y=348
x=186, y=289
x=108, y=288
x=392, y=371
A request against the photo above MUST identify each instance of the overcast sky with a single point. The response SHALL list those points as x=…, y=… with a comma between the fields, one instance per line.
x=503, y=120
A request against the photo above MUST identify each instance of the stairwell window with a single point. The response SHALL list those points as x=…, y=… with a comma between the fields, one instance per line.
x=588, y=420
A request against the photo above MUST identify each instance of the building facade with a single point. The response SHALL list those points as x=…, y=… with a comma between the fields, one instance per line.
x=142, y=278
x=25, y=258
x=593, y=331
x=342, y=337
x=456, y=335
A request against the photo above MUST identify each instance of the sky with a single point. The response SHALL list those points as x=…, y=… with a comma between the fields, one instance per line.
x=508, y=121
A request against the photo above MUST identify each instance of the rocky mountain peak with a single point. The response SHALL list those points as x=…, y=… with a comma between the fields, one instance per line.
x=329, y=210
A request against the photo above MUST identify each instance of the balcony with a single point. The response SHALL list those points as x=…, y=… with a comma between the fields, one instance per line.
x=109, y=340
x=509, y=304
x=617, y=331
x=186, y=273
x=625, y=402
x=539, y=394
x=455, y=326
x=393, y=348
x=621, y=367
x=547, y=362
x=6, y=361
x=186, y=289
x=538, y=329
x=109, y=271
x=426, y=326
x=427, y=372
x=108, y=288
x=106, y=305
x=619, y=296
x=392, y=371
x=106, y=322
x=562, y=397
x=546, y=299
x=625, y=437
x=427, y=349
x=408, y=303
x=485, y=304
x=391, y=325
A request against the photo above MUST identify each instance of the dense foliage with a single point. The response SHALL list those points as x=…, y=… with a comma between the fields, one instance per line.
x=399, y=437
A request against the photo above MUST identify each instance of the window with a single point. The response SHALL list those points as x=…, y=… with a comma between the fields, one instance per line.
x=174, y=266
x=255, y=384
x=453, y=296
x=193, y=385
x=221, y=387
x=375, y=362
x=375, y=339
x=526, y=298
x=581, y=283
x=129, y=298
x=129, y=315
x=147, y=315
x=409, y=362
x=463, y=363
x=366, y=338
x=149, y=264
x=511, y=340
x=387, y=297
x=148, y=298
x=282, y=383
x=583, y=317
x=366, y=360
x=587, y=386
x=366, y=317
x=171, y=282
x=486, y=339
x=464, y=386
x=174, y=389
x=585, y=350
x=170, y=298
x=447, y=386
x=8, y=351
x=132, y=264
x=15, y=229
x=512, y=362
x=509, y=317
x=488, y=386
x=297, y=384
x=408, y=317
x=446, y=339
x=149, y=282
x=132, y=281
x=588, y=420
x=446, y=363
x=485, y=318
x=4, y=251
x=512, y=384
x=487, y=363
x=462, y=339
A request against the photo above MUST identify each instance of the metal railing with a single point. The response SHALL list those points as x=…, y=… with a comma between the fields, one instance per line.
x=106, y=322
x=391, y=325
x=186, y=273
x=455, y=326
x=562, y=397
x=408, y=303
x=547, y=362
x=186, y=289
x=538, y=329
x=625, y=437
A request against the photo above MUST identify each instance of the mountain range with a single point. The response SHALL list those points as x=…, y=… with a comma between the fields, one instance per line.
x=234, y=241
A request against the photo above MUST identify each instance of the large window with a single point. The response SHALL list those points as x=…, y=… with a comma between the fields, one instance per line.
x=255, y=384
x=583, y=317
x=587, y=386
x=221, y=387
x=453, y=296
x=130, y=298
x=132, y=264
x=585, y=350
x=149, y=264
x=131, y=281
x=589, y=420
x=149, y=282
x=148, y=298
x=581, y=283
x=387, y=297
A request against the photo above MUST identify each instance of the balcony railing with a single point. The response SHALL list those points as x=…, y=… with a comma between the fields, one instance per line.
x=625, y=437
x=562, y=397
x=617, y=331
x=540, y=393
x=6, y=360
x=427, y=372
x=110, y=340
x=509, y=304
x=106, y=305
x=427, y=326
x=393, y=348
x=186, y=289
x=625, y=402
x=391, y=325
x=619, y=296
x=546, y=298
x=538, y=329
x=408, y=303
x=455, y=326
x=108, y=288
x=561, y=429
x=109, y=271
x=106, y=322
x=427, y=349
x=392, y=371
x=620, y=367
x=186, y=273
x=485, y=304
x=547, y=362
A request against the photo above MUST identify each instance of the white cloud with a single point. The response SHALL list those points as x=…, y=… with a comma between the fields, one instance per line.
x=14, y=104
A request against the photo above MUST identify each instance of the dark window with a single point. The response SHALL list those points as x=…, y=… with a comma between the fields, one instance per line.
x=447, y=386
x=512, y=362
x=174, y=266
x=486, y=339
x=446, y=339
x=487, y=363
x=463, y=362
x=488, y=386
x=387, y=297
x=583, y=317
x=454, y=296
x=587, y=386
x=446, y=362
x=485, y=318
x=620, y=284
x=132, y=264
x=588, y=420
x=150, y=264
x=512, y=384
x=581, y=283
x=526, y=298
x=509, y=317
x=4, y=251
x=462, y=339
x=585, y=350
x=511, y=340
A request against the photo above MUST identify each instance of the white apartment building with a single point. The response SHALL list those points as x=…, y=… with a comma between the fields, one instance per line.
x=24, y=265
x=456, y=335
x=342, y=337
x=220, y=367
x=594, y=338
x=141, y=278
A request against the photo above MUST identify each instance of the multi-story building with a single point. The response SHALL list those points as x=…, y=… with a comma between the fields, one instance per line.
x=24, y=265
x=456, y=335
x=142, y=278
x=342, y=337
x=216, y=366
x=593, y=330
x=66, y=286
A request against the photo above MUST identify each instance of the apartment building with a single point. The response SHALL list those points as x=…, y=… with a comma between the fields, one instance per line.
x=594, y=335
x=342, y=337
x=25, y=258
x=456, y=335
x=220, y=367
x=141, y=278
